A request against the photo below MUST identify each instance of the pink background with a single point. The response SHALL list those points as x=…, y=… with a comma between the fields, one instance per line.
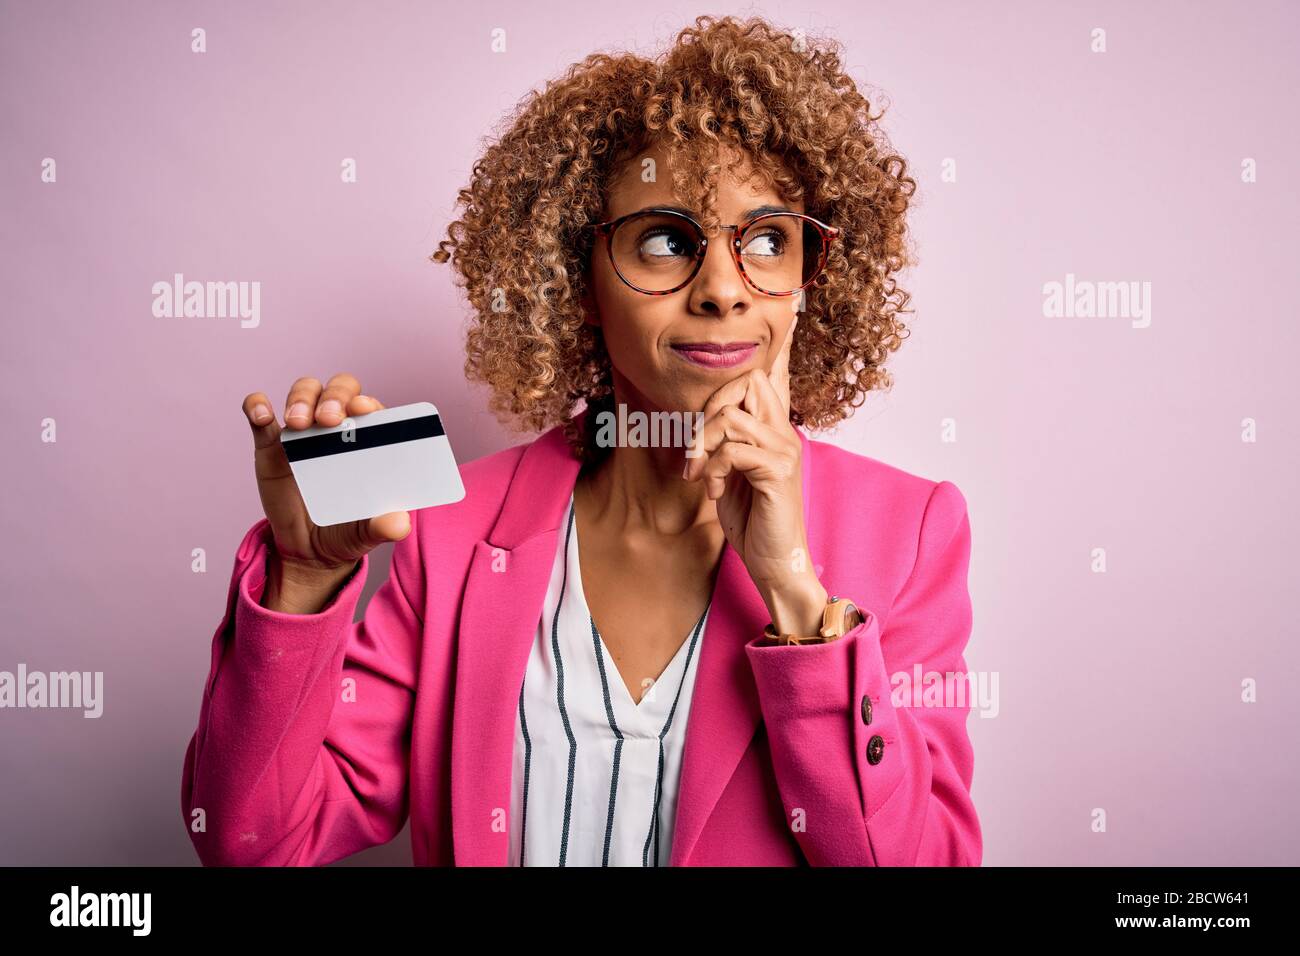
x=1119, y=690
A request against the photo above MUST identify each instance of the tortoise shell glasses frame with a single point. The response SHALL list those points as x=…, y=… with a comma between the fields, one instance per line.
x=827, y=234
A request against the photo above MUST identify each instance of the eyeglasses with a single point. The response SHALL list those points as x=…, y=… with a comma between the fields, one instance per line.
x=658, y=251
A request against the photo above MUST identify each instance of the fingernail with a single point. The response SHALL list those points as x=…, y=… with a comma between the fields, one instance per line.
x=298, y=411
x=331, y=408
x=686, y=467
x=261, y=413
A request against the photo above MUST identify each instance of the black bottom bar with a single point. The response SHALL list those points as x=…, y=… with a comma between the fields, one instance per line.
x=933, y=907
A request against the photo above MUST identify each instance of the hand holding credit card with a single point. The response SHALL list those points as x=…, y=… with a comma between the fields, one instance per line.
x=395, y=459
x=341, y=476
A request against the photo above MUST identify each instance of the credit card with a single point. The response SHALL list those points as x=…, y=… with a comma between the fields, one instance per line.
x=395, y=459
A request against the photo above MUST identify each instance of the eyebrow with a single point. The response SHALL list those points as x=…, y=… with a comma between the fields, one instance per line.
x=747, y=214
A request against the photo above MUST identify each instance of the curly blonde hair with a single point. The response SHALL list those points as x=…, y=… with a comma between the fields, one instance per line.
x=785, y=103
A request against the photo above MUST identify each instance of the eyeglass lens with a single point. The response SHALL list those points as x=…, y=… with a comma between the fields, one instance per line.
x=656, y=252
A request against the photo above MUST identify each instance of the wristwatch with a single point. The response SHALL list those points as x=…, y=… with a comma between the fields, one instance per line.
x=840, y=617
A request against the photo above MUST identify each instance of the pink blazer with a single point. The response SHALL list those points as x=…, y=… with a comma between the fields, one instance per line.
x=317, y=736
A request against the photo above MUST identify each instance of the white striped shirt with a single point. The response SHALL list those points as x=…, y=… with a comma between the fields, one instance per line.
x=595, y=774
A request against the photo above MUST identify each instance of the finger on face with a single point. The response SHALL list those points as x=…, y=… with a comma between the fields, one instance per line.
x=751, y=392
x=731, y=456
x=762, y=400
x=731, y=425
x=779, y=376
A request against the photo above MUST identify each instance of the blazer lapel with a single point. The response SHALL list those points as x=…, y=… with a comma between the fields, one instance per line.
x=504, y=593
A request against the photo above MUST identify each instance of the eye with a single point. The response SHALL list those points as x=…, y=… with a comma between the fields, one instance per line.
x=770, y=242
x=665, y=242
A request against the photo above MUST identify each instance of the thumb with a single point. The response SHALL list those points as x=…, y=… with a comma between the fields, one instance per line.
x=352, y=540
x=393, y=526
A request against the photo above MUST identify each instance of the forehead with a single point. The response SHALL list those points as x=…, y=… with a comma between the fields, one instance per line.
x=645, y=178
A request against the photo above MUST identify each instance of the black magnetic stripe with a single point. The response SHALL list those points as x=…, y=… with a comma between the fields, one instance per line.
x=618, y=744
x=559, y=693
x=528, y=758
x=659, y=778
x=364, y=436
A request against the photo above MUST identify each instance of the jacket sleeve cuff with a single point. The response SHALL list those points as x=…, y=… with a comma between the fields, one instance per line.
x=297, y=645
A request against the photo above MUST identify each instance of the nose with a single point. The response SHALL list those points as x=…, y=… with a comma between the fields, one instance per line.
x=718, y=288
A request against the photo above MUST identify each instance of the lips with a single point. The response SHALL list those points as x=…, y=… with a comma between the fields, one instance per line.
x=716, y=354
x=714, y=346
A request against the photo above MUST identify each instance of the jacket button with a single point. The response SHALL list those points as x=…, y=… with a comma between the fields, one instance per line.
x=875, y=749
x=866, y=709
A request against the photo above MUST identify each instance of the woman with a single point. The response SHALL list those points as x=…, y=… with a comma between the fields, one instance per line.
x=618, y=651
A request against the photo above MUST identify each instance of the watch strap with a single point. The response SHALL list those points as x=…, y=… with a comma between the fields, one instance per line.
x=838, y=618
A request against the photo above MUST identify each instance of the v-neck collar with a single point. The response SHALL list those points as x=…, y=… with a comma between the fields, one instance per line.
x=684, y=656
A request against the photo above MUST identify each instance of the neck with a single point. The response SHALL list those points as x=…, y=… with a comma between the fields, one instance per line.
x=639, y=489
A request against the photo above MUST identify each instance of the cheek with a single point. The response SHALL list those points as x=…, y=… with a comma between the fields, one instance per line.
x=633, y=346
x=617, y=307
x=632, y=325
